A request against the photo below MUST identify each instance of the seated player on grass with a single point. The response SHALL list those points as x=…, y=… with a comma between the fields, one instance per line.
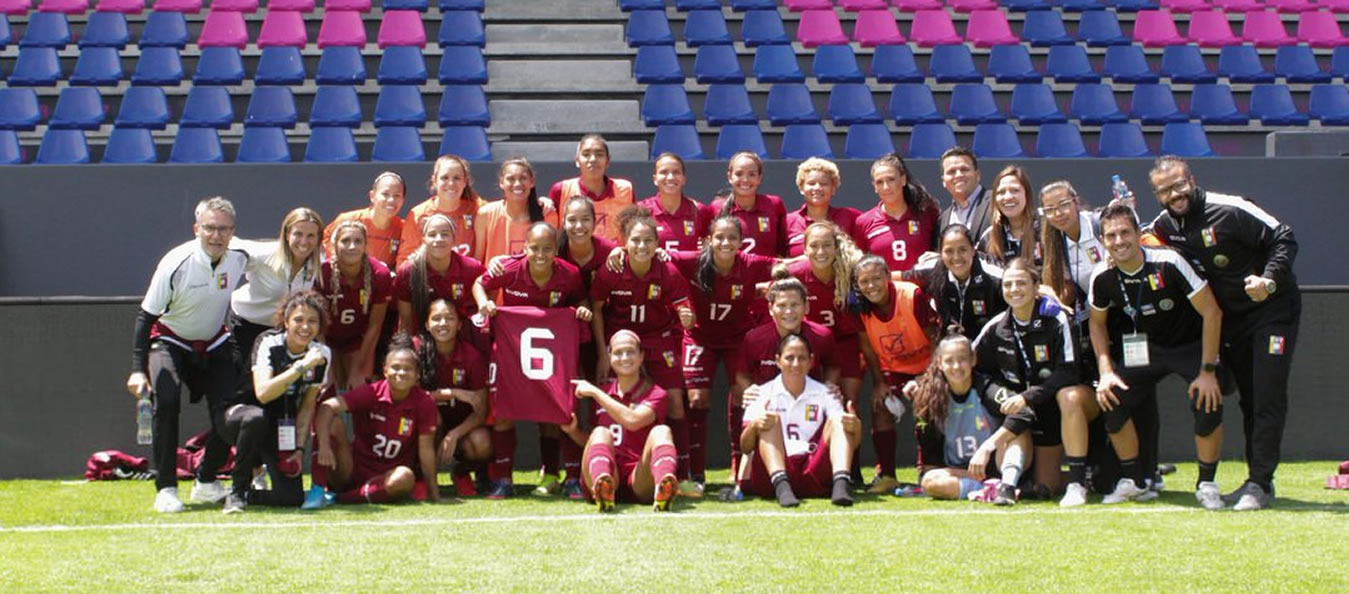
x=802, y=437
x=456, y=378
x=392, y=455
x=630, y=454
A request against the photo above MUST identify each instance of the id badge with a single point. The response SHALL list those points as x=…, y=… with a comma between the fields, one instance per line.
x=285, y=435
x=1136, y=350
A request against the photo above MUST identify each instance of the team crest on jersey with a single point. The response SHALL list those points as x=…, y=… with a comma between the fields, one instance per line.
x=222, y=280
x=364, y=296
x=457, y=377
x=978, y=306
x=554, y=298
x=404, y=426
x=980, y=423
x=669, y=359
x=468, y=221
x=653, y=292
x=456, y=290
x=1041, y=353
x=1276, y=345
x=1209, y=237
x=688, y=227
x=736, y=291
x=1155, y=281
x=913, y=227
x=812, y=412
x=763, y=224
x=1093, y=254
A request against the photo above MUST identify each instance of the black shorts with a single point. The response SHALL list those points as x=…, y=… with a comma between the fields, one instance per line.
x=1047, y=430
x=1185, y=361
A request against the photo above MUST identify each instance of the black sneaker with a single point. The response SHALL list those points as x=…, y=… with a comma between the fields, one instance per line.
x=1006, y=494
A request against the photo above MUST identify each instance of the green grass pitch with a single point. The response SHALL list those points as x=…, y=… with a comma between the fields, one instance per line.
x=103, y=537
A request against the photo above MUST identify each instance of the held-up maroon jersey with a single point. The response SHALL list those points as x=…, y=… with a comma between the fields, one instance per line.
x=534, y=359
x=820, y=302
x=351, y=303
x=386, y=431
x=454, y=285
x=730, y=311
x=629, y=444
x=759, y=354
x=596, y=262
x=765, y=225
x=563, y=289
x=798, y=220
x=899, y=240
x=681, y=229
x=645, y=305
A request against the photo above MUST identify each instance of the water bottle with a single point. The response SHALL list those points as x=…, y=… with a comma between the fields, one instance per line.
x=909, y=490
x=1122, y=192
x=145, y=412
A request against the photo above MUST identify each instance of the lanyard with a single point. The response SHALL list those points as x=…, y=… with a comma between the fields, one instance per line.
x=1021, y=349
x=1129, y=308
x=960, y=298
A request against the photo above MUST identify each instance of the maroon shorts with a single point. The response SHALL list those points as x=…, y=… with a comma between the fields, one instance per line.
x=343, y=344
x=700, y=363
x=627, y=471
x=811, y=475
x=662, y=357
x=361, y=476
x=849, y=356
x=453, y=416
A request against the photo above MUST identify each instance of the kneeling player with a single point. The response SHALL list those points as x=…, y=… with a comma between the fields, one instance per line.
x=455, y=375
x=802, y=435
x=394, y=426
x=629, y=455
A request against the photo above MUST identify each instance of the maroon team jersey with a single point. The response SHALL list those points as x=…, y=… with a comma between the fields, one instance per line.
x=645, y=305
x=758, y=357
x=820, y=302
x=454, y=285
x=899, y=240
x=351, y=302
x=386, y=431
x=534, y=359
x=765, y=224
x=602, y=248
x=629, y=444
x=681, y=229
x=563, y=289
x=464, y=368
x=732, y=308
x=798, y=220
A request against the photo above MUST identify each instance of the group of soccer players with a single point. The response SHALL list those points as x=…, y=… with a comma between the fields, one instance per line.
x=1022, y=330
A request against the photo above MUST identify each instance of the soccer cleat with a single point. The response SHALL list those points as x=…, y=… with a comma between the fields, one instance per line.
x=730, y=494
x=1125, y=490
x=882, y=485
x=210, y=492
x=318, y=498
x=1166, y=468
x=1255, y=498
x=549, y=485
x=501, y=490
x=666, y=492
x=1006, y=494
x=235, y=503
x=603, y=490
x=482, y=484
x=1074, y=495
x=691, y=489
x=572, y=489
x=463, y=485
x=1208, y=496
x=167, y=502
x=260, y=482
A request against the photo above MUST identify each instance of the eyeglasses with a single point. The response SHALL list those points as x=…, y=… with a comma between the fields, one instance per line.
x=1176, y=188
x=1060, y=208
x=217, y=229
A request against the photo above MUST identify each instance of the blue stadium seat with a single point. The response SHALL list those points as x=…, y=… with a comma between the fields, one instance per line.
x=1297, y=64
x=649, y=27
x=143, y=107
x=263, y=145
x=399, y=105
x=1273, y=106
x=1026, y=5
x=462, y=65
x=1184, y=64
x=997, y=140
x=19, y=109
x=1012, y=64
x=745, y=5
x=953, y=64
x=417, y=5
x=78, y=108
x=164, y=29
x=687, y=5
x=973, y=103
x=1082, y=6
x=1069, y=63
x=836, y=64
x=1153, y=104
x=912, y=103
x=207, y=107
x=1094, y=103
x=666, y=104
x=342, y=65
x=868, y=141
x=1101, y=28
x=1060, y=140
x=657, y=64
x=929, y=141
x=271, y=107
x=158, y=66
x=1339, y=62
x=5, y=38
x=1241, y=64
x=1186, y=139
x=464, y=105
x=1329, y=104
x=130, y=145
x=680, y=139
x=280, y=66
x=741, y=137
x=790, y=103
x=852, y=103
x=706, y=27
x=1122, y=140
x=398, y=143
x=105, y=29
x=36, y=67
x=336, y=105
x=728, y=104
x=331, y=144
x=1132, y=5
x=63, y=147
x=777, y=64
x=717, y=64
x=461, y=27
x=763, y=27
x=1045, y=28
x=402, y=65
x=803, y=141
x=46, y=29
x=478, y=5
x=1127, y=64
x=1034, y=104
x=1213, y=104
x=631, y=5
x=895, y=64
x=197, y=145
x=219, y=66
x=10, y=151
x=97, y=66
x=469, y=142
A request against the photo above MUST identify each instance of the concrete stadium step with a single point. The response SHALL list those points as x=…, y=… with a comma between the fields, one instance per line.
x=561, y=75
x=565, y=151
x=572, y=10
x=555, y=40
x=521, y=116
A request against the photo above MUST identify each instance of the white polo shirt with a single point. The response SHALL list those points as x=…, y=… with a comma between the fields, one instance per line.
x=267, y=287
x=190, y=296
x=799, y=417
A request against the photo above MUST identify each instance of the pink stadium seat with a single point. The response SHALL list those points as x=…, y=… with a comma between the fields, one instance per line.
x=190, y=6
x=1238, y=5
x=123, y=6
x=223, y=28
x=15, y=6
x=1340, y=6
x=66, y=6
x=341, y=28
x=917, y=5
x=856, y=5
x=296, y=5
x=804, y=5
x=876, y=27
x=356, y=5
x=971, y=5
x=1265, y=29
x=402, y=27
x=1154, y=28
x=1185, y=5
x=1291, y=6
x=1209, y=28
x=820, y=27
x=932, y=28
x=1320, y=29
x=988, y=28
x=249, y=6
x=282, y=28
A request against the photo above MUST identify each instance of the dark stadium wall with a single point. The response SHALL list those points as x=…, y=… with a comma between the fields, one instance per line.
x=99, y=229
x=64, y=366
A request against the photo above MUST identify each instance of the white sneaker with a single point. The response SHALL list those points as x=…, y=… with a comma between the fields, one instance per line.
x=1125, y=490
x=1074, y=495
x=1209, y=497
x=211, y=492
x=260, y=479
x=1255, y=498
x=167, y=502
